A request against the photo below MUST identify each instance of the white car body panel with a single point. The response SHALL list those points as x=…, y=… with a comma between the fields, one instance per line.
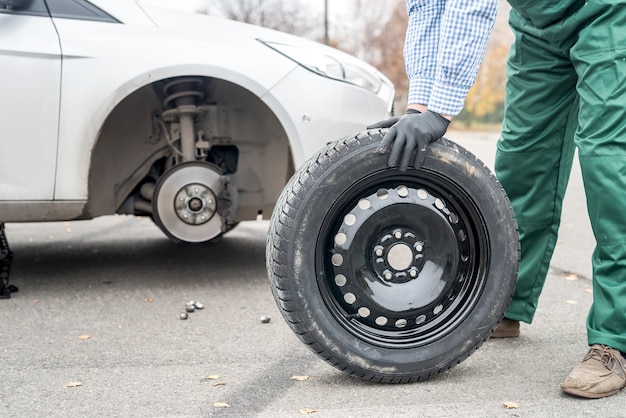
x=30, y=70
x=312, y=118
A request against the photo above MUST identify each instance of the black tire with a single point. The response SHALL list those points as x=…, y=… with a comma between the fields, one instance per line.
x=393, y=319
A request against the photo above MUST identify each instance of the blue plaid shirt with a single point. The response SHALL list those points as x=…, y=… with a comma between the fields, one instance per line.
x=445, y=44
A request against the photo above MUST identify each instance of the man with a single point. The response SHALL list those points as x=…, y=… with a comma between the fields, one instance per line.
x=566, y=88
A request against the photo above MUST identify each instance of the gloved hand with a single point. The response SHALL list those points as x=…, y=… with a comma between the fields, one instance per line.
x=412, y=131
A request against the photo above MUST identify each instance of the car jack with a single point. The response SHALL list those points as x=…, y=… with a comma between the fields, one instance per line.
x=6, y=256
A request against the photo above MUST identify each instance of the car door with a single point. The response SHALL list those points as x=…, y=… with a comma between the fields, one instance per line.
x=30, y=82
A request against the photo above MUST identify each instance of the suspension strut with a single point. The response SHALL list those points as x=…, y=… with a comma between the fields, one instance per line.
x=182, y=95
x=6, y=257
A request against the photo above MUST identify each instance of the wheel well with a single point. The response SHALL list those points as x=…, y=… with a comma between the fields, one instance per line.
x=133, y=145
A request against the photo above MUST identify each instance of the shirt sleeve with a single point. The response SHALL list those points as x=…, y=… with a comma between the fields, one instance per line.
x=444, y=47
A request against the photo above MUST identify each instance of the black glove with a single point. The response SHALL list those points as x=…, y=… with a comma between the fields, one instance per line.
x=412, y=131
x=388, y=123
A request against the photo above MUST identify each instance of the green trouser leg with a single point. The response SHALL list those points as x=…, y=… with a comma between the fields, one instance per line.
x=600, y=61
x=566, y=87
x=534, y=155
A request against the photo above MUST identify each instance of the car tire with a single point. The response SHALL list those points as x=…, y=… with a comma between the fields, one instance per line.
x=392, y=276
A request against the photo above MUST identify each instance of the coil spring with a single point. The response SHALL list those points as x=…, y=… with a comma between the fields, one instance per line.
x=182, y=87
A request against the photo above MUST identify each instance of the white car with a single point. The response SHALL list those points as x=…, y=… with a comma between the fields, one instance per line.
x=114, y=106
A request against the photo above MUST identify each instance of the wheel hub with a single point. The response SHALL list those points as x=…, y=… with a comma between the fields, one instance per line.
x=195, y=204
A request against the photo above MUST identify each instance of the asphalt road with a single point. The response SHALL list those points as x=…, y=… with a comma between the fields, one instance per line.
x=95, y=331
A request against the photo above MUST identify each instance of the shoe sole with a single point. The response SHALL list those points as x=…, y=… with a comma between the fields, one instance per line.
x=583, y=394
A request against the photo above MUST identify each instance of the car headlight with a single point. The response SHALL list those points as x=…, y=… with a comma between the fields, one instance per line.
x=329, y=66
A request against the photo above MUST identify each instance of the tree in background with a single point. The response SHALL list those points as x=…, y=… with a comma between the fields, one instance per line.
x=377, y=37
x=485, y=102
x=292, y=16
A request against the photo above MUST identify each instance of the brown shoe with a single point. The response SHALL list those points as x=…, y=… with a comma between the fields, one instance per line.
x=507, y=328
x=601, y=373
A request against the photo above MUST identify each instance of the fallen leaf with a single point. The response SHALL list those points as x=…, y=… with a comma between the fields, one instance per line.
x=221, y=405
x=84, y=337
x=511, y=405
x=571, y=277
x=74, y=384
x=213, y=377
x=219, y=384
x=306, y=411
x=300, y=378
x=571, y=302
x=149, y=300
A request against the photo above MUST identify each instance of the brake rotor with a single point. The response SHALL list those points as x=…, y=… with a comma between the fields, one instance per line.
x=185, y=203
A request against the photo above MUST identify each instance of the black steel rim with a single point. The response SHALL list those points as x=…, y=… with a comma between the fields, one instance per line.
x=402, y=258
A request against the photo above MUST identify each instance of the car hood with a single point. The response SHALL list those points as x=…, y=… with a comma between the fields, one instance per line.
x=198, y=23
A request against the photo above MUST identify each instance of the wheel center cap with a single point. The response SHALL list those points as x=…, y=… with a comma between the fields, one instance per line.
x=195, y=204
x=400, y=257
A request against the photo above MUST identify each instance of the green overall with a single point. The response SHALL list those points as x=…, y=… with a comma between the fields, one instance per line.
x=566, y=88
